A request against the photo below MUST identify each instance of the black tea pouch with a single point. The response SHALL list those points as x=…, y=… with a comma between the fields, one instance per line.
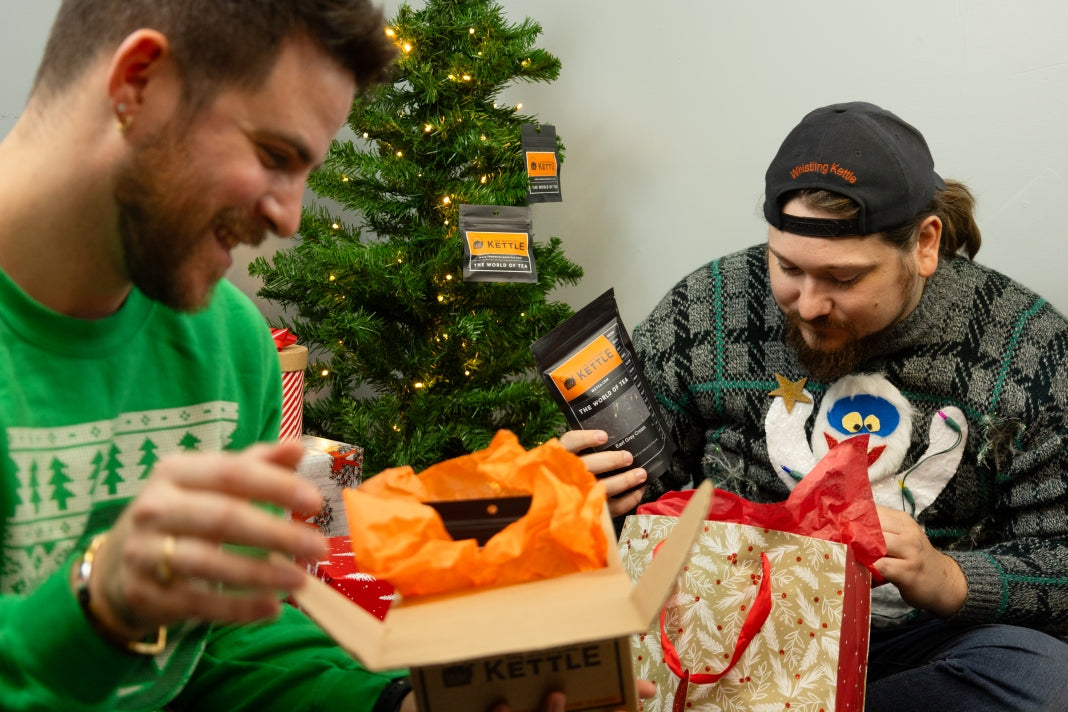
x=497, y=244
x=543, y=163
x=588, y=363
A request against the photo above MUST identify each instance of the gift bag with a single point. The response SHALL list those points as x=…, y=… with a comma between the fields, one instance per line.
x=772, y=610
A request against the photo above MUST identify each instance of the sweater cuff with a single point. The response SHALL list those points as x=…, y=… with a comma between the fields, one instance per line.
x=51, y=628
x=987, y=596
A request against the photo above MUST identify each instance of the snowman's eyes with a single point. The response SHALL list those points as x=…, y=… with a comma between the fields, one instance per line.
x=852, y=422
x=872, y=424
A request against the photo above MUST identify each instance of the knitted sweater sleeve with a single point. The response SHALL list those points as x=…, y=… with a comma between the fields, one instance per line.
x=39, y=635
x=1024, y=579
x=1021, y=576
x=661, y=345
x=289, y=664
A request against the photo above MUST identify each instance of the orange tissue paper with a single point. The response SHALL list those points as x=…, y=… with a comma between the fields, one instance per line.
x=398, y=538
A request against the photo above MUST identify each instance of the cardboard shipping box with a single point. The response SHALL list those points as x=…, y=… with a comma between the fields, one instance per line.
x=470, y=649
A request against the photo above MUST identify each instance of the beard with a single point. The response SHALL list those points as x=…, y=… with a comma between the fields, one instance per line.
x=169, y=248
x=829, y=365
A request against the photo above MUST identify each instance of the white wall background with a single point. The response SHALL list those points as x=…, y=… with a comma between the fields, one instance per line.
x=671, y=110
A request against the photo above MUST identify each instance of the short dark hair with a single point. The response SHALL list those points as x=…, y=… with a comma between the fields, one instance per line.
x=954, y=205
x=219, y=43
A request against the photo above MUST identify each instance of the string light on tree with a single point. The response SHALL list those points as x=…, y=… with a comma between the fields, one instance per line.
x=439, y=135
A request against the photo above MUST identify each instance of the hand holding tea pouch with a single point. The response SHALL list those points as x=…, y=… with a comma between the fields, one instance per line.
x=588, y=363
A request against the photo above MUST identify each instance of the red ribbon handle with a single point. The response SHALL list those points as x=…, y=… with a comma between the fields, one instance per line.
x=754, y=620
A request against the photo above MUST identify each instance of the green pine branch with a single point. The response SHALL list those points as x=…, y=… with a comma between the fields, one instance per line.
x=408, y=360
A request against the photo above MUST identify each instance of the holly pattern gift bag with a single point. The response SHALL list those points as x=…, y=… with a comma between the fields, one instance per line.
x=772, y=610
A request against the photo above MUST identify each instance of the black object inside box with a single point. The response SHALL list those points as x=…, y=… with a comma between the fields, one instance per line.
x=480, y=519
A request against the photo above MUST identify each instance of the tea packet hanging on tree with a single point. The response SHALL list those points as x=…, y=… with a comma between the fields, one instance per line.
x=497, y=244
x=543, y=163
x=588, y=363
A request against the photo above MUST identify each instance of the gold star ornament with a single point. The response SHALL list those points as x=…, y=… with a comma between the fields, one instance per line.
x=791, y=392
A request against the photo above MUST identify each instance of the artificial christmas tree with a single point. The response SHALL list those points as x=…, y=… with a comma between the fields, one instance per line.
x=408, y=360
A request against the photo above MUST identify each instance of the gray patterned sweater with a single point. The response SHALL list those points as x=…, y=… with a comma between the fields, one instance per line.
x=977, y=340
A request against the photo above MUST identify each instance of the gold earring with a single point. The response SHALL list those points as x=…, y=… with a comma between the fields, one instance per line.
x=122, y=119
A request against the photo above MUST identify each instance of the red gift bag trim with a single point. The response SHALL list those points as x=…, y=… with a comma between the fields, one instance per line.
x=833, y=501
x=679, y=703
x=754, y=620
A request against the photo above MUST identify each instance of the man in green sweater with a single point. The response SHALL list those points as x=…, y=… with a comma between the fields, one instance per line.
x=865, y=307
x=136, y=385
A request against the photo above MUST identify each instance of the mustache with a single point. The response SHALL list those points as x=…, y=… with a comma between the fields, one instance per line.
x=820, y=323
x=242, y=228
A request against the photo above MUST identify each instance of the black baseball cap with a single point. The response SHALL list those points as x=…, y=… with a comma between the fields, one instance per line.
x=862, y=152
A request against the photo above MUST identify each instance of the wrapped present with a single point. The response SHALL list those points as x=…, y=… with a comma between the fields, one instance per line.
x=339, y=570
x=331, y=466
x=293, y=359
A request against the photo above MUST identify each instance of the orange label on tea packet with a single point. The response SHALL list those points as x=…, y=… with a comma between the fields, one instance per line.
x=541, y=163
x=497, y=243
x=586, y=368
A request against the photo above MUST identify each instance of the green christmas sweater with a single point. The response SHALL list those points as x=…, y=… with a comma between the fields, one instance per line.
x=86, y=409
x=965, y=405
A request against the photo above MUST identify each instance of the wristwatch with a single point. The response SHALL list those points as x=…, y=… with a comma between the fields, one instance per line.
x=82, y=570
x=391, y=698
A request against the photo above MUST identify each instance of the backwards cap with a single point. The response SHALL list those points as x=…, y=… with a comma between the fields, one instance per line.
x=862, y=152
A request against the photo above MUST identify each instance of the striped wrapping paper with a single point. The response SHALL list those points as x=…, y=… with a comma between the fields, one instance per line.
x=294, y=359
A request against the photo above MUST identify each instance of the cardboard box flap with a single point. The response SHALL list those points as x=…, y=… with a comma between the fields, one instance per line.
x=586, y=606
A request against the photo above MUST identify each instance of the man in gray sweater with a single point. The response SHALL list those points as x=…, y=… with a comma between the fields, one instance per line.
x=865, y=307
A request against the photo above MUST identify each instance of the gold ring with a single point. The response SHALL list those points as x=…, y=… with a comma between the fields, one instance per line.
x=164, y=569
